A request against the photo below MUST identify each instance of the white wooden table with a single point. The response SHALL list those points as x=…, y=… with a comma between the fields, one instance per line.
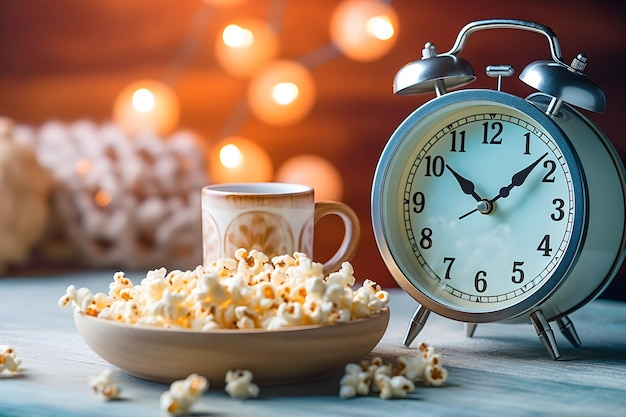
x=503, y=370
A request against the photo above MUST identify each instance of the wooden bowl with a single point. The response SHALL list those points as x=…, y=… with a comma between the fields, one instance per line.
x=273, y=356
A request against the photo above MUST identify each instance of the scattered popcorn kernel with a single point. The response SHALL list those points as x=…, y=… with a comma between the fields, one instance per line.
x=394, y=387
x=356, y=381
x=376, y=367
x=348, y=385
x=8, y=360
x=104, y=387
x=435, y=375
x=425, y=349
x=375, y=376
x=411, y=367
x=425, y=367
x=239, y=384
x=177, y=401
x=347, y=390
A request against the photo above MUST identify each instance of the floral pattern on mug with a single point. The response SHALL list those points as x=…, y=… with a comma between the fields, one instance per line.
x=266, y=232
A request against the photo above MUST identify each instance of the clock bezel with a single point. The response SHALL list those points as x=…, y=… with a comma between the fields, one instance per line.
x=386, y=175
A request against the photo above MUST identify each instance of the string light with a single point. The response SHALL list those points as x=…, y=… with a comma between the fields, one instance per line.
x=147, y=105
x=283, y=93
x=364, y=30
x=245, y=46
x=230, y=156
x=143, y=100
x=315, y=171
x=380, y=27
x=235, y=36
x=237, y=159
x=280, y=92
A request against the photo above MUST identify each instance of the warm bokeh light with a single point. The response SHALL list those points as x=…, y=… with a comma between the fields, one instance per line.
x=143, y=100
x=230, y=156
x=364, y=30
x=283, y=93
x=315, y=171
x=246, y=45
x=380, y=27
x=237, y=159
x=235, y=36
x=147, y=105
x=102, y=198
x=83, y=167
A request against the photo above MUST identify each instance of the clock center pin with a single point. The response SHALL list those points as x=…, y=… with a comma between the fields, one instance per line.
x=486, y=207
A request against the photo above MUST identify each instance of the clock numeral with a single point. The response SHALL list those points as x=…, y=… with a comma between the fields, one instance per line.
x=461, y=139
x=435, y=166
x=551, y=166
x=451, y=260
x=419, y=200
x=518, y=273
x=544, y=246
x=527, y=148
x=426, y=241
x=560, y=213
x=495, y=138
x=480, y=283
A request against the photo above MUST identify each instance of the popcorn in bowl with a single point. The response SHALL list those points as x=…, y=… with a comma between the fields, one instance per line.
x=248, y=291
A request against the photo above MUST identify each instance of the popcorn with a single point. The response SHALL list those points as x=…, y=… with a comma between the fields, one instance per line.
x=122, y=288
x=8, y=360
x=82, y=299
x=435, y=375
x=426, y=367
x=244, y=292
x=104, y=387
x=376, y=368
x=393, y=387
x=177, y=401
x=411, y=367
x=355, y=382
x=239, y=384
x=375, y=376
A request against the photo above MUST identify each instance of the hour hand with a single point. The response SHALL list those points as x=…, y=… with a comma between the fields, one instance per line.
x=466, y=185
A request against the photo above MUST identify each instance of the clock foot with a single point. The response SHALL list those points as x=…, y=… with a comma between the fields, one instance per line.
x=470, y=328
x=567, y=328
x=417, y=324
x=545, y=333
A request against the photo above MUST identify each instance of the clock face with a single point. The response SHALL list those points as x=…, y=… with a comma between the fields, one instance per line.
x=481, y=205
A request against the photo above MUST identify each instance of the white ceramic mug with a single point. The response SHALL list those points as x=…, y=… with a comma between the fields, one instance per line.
x=274, y=218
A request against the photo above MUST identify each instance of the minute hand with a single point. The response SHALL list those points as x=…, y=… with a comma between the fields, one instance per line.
x=517, y=179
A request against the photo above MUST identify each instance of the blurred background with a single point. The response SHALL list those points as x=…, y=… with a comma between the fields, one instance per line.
x=129, y=107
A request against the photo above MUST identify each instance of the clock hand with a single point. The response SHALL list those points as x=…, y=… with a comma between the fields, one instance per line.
x=517, y=179
x=466, y=185
x=486, y=206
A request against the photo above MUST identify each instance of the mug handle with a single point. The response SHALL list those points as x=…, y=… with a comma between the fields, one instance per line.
x=352, y=232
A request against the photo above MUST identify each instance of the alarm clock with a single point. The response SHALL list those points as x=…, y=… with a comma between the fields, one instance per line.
x=488, y=207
